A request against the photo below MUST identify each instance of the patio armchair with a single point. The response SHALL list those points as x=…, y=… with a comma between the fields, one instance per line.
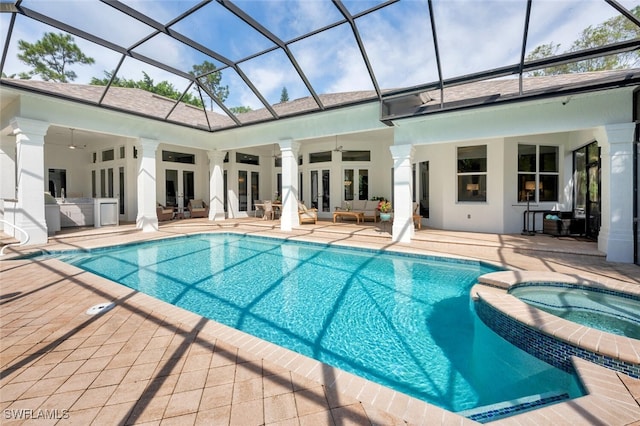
x=198, y=208
x=164, y=213
x=307, y=215
x=417, y=218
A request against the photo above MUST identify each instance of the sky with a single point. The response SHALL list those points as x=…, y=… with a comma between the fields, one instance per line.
x=473, y=36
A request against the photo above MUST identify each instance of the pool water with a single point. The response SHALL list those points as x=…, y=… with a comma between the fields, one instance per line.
x=603, y=311
x=406, y=322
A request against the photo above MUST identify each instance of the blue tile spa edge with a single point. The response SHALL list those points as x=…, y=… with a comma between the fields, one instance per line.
x=543, y=346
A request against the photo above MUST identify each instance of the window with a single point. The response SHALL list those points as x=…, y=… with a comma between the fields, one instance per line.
x=110, y=182
x=278, y=194
x=121, y=182
x=122, y=152
x=178, y=157
x=356, y=155
x=94, y=157
x=255, y=189
x=472, y=173
x=108, y=155
x=93, y=184
x=103, y=183
x=300, y=193
x=247, y=159
x=538, y=173
x=348, y=184
x=423, y=170
x=320, y=157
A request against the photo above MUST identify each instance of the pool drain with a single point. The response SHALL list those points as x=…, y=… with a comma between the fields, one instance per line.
x=100, y=308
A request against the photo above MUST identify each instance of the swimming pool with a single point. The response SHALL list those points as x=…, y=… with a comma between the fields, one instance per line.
x=594, y=308
x=403, y=321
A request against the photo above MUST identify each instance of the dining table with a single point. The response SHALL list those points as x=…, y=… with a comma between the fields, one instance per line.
x=277, y=207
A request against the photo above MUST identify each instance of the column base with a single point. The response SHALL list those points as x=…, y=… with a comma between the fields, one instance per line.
x=147, y=223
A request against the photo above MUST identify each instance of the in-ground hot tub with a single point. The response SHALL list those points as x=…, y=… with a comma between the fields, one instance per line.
x=553, y=338
x=602, y=309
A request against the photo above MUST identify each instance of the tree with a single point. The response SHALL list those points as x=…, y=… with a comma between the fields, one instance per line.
x=546, y=51
x=611, y=31
x=284, y=95
x=240, y=109
x=51, y=56
x=209, y=78
x=164, y=88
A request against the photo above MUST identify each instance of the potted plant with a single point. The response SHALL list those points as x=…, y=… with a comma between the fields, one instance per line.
x=385, y=210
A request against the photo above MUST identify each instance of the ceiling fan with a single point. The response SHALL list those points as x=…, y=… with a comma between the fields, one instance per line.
x=72, y=145
x=337, y=148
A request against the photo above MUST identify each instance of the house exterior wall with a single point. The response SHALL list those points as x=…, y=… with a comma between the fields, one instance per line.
x=568, y=123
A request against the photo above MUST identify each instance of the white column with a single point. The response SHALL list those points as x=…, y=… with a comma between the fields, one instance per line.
x=402, y=192
x=289, y=216
x=147, y=219
x=7, y=167
x=216, y=185
x=7, y=177
x=30, y=180
x=616, y=231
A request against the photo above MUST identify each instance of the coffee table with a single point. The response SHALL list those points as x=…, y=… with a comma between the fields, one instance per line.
x=344, y=213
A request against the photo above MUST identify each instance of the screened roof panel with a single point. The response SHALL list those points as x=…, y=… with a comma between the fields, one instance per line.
x=324, y=53
x=289, y=19
x=212, y=26
x=164, y=13
x=135, y=70
x=332, y=61
x=400, y=39
x=472, y=35
x=162, y=105
x=271, y=72
x=173, y=53
x=113, y=26
x=239, y=93
x=358, y=6
x=105, y=59
x=549, y=23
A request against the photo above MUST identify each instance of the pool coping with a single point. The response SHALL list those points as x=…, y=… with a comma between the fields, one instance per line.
x=604, y=387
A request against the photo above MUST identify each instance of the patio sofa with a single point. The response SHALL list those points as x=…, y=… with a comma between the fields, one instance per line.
x=368, y=207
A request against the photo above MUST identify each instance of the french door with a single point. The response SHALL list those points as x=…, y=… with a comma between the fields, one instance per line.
x=320, y=180
x=180, y=187
x=110, y=179
x=586, y=166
